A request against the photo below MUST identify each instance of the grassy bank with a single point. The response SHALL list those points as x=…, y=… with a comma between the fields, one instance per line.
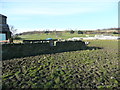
x=55, y=36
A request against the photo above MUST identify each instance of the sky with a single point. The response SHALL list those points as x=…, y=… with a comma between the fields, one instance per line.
x=35, y=15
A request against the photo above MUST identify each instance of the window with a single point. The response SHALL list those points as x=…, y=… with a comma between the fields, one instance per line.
x=2, y=36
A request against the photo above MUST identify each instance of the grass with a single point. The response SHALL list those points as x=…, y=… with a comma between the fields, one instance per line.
x=96, y=68
x=53, y=35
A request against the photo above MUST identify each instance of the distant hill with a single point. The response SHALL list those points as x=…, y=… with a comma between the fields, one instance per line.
x=98, y=31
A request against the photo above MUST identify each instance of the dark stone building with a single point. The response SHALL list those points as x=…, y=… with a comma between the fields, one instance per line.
x=4, y=28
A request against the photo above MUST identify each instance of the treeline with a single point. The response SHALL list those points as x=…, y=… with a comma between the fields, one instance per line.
x=99, y=31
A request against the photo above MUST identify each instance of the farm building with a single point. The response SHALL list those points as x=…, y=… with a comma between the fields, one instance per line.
x=5, y=33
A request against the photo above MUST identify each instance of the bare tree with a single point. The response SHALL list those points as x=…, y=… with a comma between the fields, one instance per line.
x=13, y=30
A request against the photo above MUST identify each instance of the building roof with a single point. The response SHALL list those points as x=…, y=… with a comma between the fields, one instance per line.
x=3, y=15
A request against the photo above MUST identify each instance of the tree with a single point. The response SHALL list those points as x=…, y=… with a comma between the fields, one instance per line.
x=46, y=31
x=71, y=32
x=13, y=30
x=80, y=32
x=115, y=33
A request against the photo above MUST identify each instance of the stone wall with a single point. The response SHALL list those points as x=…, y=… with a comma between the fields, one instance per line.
x=30, y=49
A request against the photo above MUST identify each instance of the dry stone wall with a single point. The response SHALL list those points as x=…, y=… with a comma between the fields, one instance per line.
x=30, y=49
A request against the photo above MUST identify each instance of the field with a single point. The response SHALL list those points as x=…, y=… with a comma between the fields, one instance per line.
x=56, y=36
x=91, y=68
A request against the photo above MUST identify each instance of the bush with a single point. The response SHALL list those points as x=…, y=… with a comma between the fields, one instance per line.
x=115, y=33
x=80, y=32
x=17, y=38
x=71, y=32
